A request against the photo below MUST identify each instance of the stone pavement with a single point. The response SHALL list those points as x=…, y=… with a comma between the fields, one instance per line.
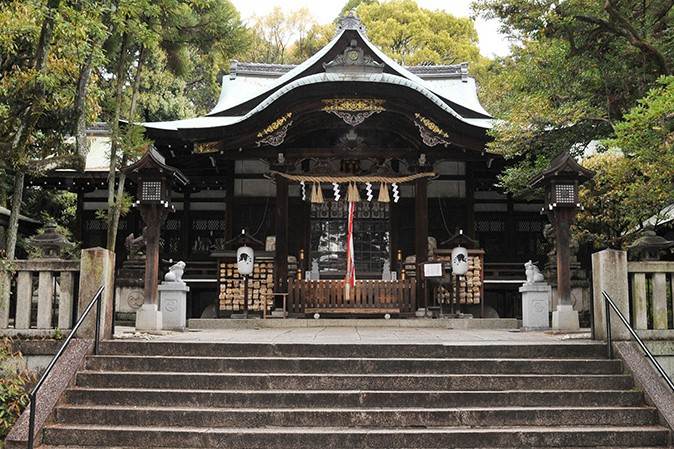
x=357, y=335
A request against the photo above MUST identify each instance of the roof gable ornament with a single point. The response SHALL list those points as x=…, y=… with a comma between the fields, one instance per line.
x=350, y=21
x=353, y=60
x=353, y=111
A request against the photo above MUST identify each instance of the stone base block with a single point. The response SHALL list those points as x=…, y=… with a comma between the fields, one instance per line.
x=278, y=314
x=535, y=305
x=148, y=318
x=565, y=318
x=173, y=305
x=128, y=299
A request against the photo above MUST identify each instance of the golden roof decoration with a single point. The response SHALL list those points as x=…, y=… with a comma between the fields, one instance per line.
x=206, y=147
x=353, y=105
x=275, y=125
x=431, y=125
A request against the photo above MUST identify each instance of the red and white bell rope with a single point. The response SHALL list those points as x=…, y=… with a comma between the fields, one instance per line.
x=350, y=280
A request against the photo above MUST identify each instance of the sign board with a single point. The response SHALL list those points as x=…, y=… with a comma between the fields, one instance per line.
x=433, y=270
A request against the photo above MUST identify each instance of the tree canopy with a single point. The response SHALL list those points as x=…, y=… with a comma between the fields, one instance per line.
x=587, y=76
x=417, y=36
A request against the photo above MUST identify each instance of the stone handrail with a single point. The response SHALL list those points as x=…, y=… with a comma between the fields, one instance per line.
x=55, y=278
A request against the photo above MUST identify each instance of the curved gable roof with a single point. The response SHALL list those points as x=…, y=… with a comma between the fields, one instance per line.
x=460, y=92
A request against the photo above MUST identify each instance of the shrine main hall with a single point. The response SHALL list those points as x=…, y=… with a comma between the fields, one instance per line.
x=284, y=152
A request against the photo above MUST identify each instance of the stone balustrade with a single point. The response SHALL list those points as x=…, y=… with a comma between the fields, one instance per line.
x=36, y=287
x=643, y=291
x=39, y=296
x=648, y=296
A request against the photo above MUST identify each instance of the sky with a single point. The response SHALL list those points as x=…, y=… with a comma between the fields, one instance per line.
x=491, y=42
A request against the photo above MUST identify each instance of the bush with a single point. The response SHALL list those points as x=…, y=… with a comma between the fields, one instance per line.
x=15, y=383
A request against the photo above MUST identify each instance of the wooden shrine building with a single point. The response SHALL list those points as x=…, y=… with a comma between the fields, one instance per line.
x=274, y=144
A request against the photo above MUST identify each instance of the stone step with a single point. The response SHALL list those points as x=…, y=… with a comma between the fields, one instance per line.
x=335, y=437
x=399, y=382
x=538, y=447
x=353, y=365
x=354, y=398
x=566, y=350
x=199, y=416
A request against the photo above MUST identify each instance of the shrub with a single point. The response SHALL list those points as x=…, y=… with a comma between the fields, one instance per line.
x=15, y=383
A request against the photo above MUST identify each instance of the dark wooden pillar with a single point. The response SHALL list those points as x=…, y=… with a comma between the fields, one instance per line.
x=229, y=201
x=470, y=202
x=306, y=238
x=79, y=218
x=186, y=225
x=421, y=234
x=563, y=217
x=281, y=224
x=511, y=228
x=394, y=220
x=153, y=217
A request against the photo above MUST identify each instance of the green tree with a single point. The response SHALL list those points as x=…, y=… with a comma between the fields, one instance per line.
x=413, y=36
x=580, y=65
x=285, y=37
x=634, y=179
x=160, y=52
x=41, y=48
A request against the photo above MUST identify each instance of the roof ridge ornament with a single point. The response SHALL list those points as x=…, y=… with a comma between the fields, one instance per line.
x=351, y=21
x=353, y=60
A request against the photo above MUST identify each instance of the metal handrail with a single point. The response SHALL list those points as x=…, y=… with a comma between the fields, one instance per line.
x=609, y=304
x=33, y=394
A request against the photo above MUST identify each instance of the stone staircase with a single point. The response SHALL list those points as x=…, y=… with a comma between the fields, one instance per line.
x=262, y=396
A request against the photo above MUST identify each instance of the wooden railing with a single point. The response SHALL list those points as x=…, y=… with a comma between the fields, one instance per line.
x=369, y=296
x=651, y=290
x=46, y=284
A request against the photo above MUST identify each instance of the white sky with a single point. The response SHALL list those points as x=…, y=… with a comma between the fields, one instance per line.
x=491, y=42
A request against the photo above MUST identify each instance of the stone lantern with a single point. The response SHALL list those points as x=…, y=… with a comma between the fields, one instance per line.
x=50, y=242
x=649, y=246
x=561, y=181
x=154, y=180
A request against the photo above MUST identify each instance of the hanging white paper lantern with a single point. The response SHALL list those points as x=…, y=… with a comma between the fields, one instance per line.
x=459, y=261
x=245, y=259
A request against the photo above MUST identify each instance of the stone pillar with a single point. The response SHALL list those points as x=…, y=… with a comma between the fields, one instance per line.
x=5, y=295
x=536, y=305
x=97, y=268
x=173, y=305
x=609, y=274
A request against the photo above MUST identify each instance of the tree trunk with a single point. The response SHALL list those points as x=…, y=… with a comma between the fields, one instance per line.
x=114, y=144
x=13, y=228
x=81, y=144
x=116, y=212
x=26, y=125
